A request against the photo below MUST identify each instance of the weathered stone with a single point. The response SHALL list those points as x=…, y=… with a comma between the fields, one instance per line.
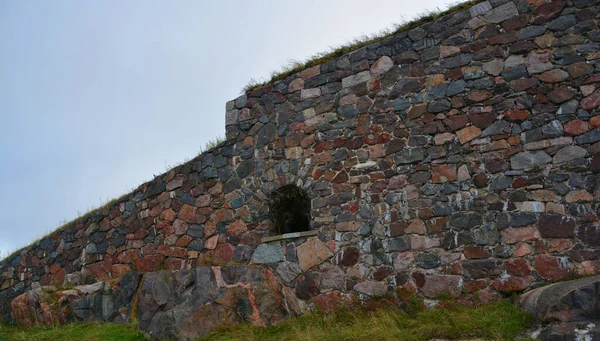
x=592, y=101
x=480, y=9
x=288, y=271
x=358, y=78
x=481, y=268
x=589, y=137
x=556, y=226
x=312, y=253
x=530, y=32
x=371, y=288
x=553, y=268
x=527, y=160
x=406, y=86
x=268, y=253
x=436, y=285
x=410, y=155
x=570, y=301
x=397, y=244
x=554, y=76
x=560, y=95
x=569, y=153
x=562, y=23
x=501, y=13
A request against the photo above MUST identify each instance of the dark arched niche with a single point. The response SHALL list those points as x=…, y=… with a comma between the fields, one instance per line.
x=290, y=209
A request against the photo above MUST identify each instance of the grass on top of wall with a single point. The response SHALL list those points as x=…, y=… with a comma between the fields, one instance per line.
x=496, y=321
x=293, y=67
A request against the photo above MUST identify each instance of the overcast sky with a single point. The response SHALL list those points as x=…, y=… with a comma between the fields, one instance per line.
x=97, y=97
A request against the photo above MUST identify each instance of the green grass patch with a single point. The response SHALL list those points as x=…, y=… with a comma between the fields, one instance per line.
x=496, y=321
x=74, y=332
x=293, y=66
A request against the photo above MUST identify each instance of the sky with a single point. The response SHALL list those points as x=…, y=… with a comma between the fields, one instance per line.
x=99, y=96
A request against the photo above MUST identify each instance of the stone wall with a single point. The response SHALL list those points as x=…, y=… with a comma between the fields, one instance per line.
x=458, y=158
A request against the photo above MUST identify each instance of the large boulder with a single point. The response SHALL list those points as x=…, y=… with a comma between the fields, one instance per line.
x=187, y=304
x=570, y=301
x=569, y=310
x=101, y=301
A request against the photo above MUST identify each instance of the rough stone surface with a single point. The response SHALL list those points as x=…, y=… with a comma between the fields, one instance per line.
x=460, y=157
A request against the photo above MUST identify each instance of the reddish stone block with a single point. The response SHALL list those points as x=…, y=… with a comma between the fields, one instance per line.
x=187, y=213
x=456, y=122
x=579, y=69
x=54, y=268
x=128, y=256
x=436, y=225
x=556, y=226
x=515, y=23
x=512, y=284
x=553, y=268
x=517, y=267
x=474, y=286
x=523, y=84
x=59, y=277
x=592, y=101
x=174, y=264
x=595, y=164
x=347, y=256
x=118, y=270
x=100, y=270
x=547, y=11
x=480, y=180
x=580, y=195
x=436, y=285
x=183, y=241
x=330, y=302
x=515, y=235
x=443, y=173
x=560, y=95
x=149, y=263
x=168, y=215
x=577, y=127
x=474, y=252
x=468, y=134
x=140, y=234
x=517, y=115
x=479, y=95
x=237, y=227
x=222, y=254
x=595, y=122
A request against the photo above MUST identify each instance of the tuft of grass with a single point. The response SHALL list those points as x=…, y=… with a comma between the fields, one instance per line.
x=334, y=52
x=495, y=321
x=212, y=144
x=74, y=332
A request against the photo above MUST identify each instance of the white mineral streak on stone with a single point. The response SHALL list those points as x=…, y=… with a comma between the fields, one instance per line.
x=563, y=262
x=364, y=165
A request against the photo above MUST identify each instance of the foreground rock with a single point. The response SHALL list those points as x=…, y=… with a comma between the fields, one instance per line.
x=50, y=305
x=181, y=305
x=185, y=305
x=569, y=310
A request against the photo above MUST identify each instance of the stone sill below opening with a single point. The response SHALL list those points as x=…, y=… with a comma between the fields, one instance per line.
x=289, y=236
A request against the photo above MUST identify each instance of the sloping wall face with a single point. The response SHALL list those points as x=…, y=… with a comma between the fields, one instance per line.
x=459, y=158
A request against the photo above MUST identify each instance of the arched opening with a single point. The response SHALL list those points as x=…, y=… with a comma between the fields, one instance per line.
x=290, y=209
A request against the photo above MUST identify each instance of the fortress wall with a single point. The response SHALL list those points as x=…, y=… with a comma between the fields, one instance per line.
x=458, y=158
